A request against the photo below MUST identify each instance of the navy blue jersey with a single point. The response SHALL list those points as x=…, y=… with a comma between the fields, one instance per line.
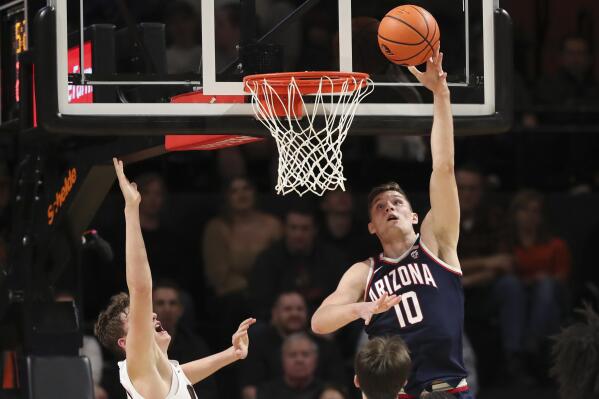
x=429, y=318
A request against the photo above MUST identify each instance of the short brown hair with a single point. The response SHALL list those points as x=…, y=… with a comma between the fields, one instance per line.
x=382, y=367
x=109, y=326
x=381, y=188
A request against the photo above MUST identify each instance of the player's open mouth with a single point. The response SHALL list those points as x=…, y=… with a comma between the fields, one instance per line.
x=158, y=327
x=392, y=217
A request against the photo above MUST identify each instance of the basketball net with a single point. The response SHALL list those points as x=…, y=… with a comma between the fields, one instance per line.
x=308, y=135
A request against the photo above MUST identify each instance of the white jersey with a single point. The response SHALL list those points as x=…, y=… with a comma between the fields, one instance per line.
x=181, y=387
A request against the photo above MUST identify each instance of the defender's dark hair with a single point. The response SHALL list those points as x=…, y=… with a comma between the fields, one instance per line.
x=382, y=367
x=575, y=355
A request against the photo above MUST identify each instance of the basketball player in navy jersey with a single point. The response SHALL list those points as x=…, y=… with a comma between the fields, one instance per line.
x=413, y=288
x=129, y=328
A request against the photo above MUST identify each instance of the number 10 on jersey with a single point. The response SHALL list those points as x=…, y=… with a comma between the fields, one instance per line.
x=408, y=309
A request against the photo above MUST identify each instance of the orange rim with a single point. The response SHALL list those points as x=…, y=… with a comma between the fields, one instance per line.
x=309, y=82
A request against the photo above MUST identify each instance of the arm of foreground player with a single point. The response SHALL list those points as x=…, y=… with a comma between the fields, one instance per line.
x=199, y=369
x=343, y=306
x=140, y=334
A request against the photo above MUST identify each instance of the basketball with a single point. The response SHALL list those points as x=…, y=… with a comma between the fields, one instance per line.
x=408, y=34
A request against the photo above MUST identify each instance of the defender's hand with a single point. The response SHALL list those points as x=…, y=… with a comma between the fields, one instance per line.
x=384, y=303
x=129, y=190
x=434, y=79
x=241, y=340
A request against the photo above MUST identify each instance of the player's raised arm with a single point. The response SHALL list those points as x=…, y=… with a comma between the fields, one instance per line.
x=344, y=305
x=444, y=217
x=140, y=333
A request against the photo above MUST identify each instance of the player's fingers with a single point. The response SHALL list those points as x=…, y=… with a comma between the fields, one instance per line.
x=395, y=301
x=392, y=301
x=118, y=167
x=380, y=302
x=239, y=336
x=381, y=299
x=367, y=319
x=437, y=51
x=414, y=71
x=243, y=328
x=247, y=323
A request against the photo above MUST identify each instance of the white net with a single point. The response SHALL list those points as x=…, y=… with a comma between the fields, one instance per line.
x=309, y=139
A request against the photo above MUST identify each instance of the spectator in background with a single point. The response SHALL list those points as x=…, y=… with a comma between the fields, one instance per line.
x=230, y=245
x=574, y=84
x=185, y=345
x=90, y=349
x=576, y=358
x=317, y=52
x=543, y=263
x=184, y=52
x=490, y=288
x=168, y=252
x=300, y=262
x=299, y=359
x=270, y=13
x=333, y=392
x=340, y=230
x=289, y=316
x=227, y=34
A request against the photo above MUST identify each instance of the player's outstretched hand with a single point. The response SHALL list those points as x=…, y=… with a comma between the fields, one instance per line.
x=384, y=303
x=241, y=340
x=434, y=78
x=132, y=196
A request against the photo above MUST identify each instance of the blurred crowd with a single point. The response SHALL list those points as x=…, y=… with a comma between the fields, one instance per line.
x=223, y=247
x=219, y=258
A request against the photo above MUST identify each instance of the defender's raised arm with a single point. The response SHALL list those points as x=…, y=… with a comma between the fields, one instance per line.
x=140, y=334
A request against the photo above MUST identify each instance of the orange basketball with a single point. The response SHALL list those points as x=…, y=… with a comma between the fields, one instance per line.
x=408, y=34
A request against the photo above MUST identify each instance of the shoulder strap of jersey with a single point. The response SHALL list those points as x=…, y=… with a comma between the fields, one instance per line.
x=372, y=263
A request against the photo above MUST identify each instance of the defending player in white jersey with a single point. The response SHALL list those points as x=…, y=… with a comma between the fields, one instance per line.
x=129, y=328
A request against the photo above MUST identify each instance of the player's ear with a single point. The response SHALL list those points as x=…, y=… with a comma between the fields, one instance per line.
x=414, y=218
x=356, y=381
x=371, y=228
x=122, y=343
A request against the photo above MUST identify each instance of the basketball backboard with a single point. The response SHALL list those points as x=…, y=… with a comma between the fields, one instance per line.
x=140, y=55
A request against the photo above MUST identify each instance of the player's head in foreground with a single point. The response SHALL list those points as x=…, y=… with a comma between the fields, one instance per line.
x=382, y=367
x=112, y=326
x=391, y=214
